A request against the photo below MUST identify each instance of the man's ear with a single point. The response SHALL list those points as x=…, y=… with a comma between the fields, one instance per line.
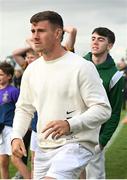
x=59, y=33
x=9, y=76
x=110, y=45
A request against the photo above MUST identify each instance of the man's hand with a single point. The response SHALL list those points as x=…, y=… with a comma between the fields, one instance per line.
x=18, y=148
x=57, y=128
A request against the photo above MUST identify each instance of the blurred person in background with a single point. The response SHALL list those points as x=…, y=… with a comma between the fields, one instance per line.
x=122, y=66
x=17, y=76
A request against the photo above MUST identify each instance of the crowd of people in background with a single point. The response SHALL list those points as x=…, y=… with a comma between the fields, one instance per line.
x=122, y=66
x=80, y=107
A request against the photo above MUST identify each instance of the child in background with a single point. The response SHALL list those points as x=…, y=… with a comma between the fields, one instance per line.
x=8, y=97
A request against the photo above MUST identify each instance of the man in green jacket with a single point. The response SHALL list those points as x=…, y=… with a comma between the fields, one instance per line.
x=101, y=43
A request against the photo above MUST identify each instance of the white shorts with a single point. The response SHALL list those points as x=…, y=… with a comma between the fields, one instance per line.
x=65, y=162
x=33, y=141
x=96, y=167
x=5, y=141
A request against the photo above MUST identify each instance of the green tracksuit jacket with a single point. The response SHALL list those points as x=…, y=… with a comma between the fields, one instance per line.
x=114, y=87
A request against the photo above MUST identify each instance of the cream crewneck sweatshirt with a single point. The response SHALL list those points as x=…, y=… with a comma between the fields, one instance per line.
x=68, y=88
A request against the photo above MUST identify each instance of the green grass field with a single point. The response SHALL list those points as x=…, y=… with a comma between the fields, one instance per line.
x=116, y=155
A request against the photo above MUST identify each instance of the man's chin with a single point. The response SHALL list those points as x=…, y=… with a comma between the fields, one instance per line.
x=94, y=53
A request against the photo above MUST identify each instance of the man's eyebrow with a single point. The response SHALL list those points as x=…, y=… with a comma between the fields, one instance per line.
x=100, y=37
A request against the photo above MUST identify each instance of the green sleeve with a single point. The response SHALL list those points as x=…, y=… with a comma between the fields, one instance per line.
x=116, y=98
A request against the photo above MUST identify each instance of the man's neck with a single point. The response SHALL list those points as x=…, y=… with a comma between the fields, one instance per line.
x=99, y=59
x=54, y=54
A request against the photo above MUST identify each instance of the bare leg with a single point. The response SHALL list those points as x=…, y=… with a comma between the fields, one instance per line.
x=4, y=166
x=83, y=174
x=22, y=168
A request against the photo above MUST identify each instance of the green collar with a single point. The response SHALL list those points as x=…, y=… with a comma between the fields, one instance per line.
x=105, y=65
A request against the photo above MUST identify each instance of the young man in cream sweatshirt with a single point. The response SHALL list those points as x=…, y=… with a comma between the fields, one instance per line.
x=70, y=100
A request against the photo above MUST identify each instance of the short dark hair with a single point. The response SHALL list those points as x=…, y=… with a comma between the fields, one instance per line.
x=7, y=68
x=103, y=31
x=50, y=16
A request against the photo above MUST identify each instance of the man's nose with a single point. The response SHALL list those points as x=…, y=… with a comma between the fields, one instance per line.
x=95, y=41
x=35, y=35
